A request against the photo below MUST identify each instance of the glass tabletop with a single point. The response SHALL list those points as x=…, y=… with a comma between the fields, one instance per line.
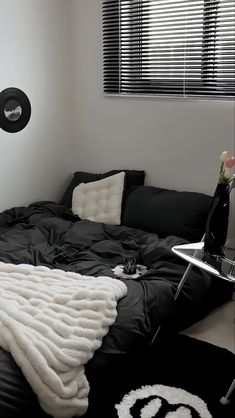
x=223, y=267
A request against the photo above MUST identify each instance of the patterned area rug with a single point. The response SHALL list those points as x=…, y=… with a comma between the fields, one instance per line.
x=180, y=377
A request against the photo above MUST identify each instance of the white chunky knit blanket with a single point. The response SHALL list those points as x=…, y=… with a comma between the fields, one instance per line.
x=51, y=322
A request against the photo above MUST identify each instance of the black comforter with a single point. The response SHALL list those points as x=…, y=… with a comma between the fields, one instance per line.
x=48, y=234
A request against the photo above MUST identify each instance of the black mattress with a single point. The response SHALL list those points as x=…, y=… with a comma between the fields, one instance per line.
x=46, y=233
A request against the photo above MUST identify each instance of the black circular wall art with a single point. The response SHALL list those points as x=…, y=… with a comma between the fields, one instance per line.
x=15, y=110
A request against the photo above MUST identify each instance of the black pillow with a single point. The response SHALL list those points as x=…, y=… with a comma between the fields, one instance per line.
x=132, y=178
x=167, y=212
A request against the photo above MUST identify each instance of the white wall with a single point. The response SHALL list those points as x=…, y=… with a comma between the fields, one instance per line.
x=52, y=49
x=178, y=143
x=34, y=41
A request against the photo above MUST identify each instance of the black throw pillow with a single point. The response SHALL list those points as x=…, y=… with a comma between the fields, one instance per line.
x=132, y=178
x=167, y=212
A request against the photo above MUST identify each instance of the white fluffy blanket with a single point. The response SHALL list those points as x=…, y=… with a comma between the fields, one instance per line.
x=51, y=322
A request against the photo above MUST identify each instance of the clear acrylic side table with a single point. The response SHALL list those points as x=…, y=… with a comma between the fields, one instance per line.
x=223, y=267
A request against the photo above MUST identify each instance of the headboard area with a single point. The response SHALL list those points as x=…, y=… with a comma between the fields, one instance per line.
x=153, y=209
x=167, y=212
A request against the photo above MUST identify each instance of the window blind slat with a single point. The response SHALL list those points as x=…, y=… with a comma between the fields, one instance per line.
x=180, y=48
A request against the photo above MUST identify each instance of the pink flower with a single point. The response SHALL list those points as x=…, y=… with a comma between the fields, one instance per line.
x=230, y=163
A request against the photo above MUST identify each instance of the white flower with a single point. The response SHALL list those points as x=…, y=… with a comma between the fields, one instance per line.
x=224, y=156
x=225, y=176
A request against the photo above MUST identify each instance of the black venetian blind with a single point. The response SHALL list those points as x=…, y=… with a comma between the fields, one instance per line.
x=169, y=47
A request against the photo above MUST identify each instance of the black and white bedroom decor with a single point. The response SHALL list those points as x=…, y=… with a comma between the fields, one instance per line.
x=101, y=200
x=15, y=110
x=165, y=401
x=218, y=217
x=52, y=322
x=49, y=239
x=178, y=377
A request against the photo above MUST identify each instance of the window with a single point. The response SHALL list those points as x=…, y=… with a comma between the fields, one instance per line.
x=169, y=47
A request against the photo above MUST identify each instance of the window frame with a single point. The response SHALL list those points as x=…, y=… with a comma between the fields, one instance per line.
x=212, y=69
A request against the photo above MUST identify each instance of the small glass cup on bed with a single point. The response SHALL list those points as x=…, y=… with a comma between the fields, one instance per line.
x=129, y=262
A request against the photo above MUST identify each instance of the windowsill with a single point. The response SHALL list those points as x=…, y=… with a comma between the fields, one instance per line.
x=171, y=98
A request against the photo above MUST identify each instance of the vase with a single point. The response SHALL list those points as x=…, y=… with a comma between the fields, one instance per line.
x=217, y=221
x=129, y=262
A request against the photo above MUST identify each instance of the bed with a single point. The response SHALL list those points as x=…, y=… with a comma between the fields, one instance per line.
x=50, y=234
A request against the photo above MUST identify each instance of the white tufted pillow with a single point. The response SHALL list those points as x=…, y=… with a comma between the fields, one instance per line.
x=100, y=201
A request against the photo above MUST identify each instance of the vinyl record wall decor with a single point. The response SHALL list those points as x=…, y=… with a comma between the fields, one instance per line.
x=15, y=109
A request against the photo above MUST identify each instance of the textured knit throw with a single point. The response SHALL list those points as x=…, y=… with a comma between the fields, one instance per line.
x=51, y=322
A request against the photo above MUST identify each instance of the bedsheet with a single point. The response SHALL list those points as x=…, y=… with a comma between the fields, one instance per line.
x=48, y=234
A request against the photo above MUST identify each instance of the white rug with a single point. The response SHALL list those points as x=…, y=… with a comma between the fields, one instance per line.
x=162, y=401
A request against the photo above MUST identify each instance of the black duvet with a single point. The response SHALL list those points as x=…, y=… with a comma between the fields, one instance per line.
x=46, y=233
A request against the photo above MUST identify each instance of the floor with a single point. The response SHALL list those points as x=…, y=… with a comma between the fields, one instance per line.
x=217, y=328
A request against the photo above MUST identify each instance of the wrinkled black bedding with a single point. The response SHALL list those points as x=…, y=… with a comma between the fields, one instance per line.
x=46, y=233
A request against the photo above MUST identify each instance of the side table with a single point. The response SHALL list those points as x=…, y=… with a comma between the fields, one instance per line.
x=223, y=267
